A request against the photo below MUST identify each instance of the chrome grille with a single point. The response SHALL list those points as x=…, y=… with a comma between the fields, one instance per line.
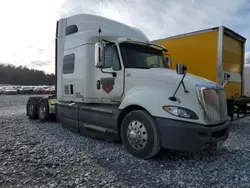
x=213, y=103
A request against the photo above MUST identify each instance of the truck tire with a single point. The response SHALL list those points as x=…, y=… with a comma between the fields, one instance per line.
x=139, y=134
x=43, y=110
x=32, y=107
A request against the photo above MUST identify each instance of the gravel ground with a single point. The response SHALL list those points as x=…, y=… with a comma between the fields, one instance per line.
x=34, y=154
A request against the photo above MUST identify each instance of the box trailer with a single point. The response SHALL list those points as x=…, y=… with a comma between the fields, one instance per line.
x=113, y=82
x=216, y=54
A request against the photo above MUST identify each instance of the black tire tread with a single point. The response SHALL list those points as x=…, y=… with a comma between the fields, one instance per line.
x=156, y=146
x=34, y=101
x=47, y=115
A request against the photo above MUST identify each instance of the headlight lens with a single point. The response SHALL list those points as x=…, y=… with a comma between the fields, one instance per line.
x=180, y=112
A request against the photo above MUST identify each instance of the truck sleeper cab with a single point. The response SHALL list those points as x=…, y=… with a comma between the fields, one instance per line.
x=112, y=81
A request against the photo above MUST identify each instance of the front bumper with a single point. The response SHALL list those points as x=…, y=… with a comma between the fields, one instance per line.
x=186, y=136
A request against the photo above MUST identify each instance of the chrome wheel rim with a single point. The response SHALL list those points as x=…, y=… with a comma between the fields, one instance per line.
x=137, y=135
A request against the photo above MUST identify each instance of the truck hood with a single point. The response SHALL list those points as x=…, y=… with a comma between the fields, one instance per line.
x=168, y=76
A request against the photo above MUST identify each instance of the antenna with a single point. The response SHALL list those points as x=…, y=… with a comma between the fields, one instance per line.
x=100, y=30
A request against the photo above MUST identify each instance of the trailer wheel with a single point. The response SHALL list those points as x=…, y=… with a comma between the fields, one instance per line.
x=32, y=107
x=140, y=135
x=43, y=110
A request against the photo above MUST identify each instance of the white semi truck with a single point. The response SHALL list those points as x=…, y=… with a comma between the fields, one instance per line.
x=112, y=82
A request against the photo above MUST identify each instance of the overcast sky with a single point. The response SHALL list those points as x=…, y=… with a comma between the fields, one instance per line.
x=28, y=26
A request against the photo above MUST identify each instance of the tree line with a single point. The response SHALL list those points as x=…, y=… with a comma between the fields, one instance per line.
x=21, y=75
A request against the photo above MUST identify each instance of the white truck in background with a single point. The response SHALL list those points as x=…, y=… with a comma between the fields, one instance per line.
x=112, y=82
x=247, y=80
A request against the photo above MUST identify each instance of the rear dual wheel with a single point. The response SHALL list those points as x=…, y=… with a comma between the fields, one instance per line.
x=38, y=108
x=32, y=107
x=43, y=110
x=140, y=135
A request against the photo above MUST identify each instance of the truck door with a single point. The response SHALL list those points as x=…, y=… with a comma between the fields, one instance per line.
x=110, y=79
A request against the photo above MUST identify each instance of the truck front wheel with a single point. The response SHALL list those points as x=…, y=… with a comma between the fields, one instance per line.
x=140, y=135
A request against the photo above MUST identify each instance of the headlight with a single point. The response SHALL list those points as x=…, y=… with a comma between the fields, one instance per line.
x=180, y=112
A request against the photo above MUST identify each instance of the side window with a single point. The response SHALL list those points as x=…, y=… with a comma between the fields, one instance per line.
x=71, y=29
x=168, y=60
x=111, y=57
x=108, y=56
x=68, y=64
x=151, y=60
x=115, y=59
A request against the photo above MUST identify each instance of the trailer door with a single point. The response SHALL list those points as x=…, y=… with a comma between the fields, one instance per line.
x=233, y=62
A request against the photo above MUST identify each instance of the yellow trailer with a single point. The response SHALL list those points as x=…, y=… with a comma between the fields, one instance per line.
x=211, y=53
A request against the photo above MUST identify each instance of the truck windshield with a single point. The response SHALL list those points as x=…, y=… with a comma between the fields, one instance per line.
x=141, y=56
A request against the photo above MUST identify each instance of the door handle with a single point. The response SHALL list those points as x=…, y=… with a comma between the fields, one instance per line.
x=98, y=84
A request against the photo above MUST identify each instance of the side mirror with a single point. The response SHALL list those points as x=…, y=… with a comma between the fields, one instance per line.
x=181, y=68
x=227, y=78
x=99, y=60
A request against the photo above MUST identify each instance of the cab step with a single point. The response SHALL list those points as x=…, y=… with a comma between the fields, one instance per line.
x=98, y=132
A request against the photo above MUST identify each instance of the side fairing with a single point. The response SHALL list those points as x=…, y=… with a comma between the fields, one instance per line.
x=59, y=42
